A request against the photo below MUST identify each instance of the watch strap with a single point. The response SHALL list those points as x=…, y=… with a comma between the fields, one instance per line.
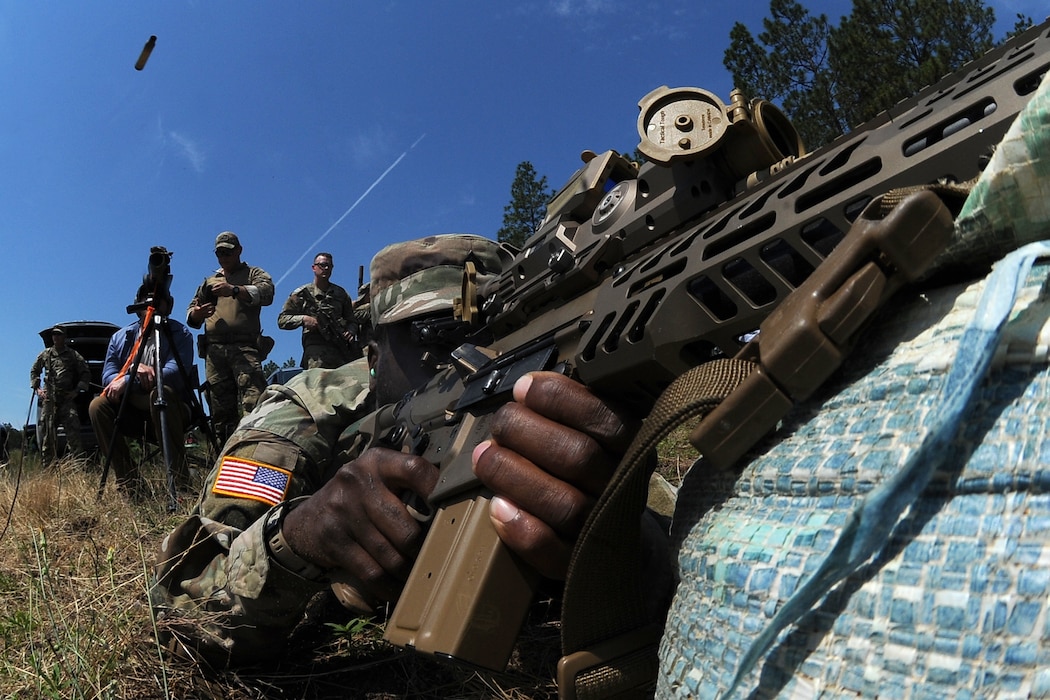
x=279, y=549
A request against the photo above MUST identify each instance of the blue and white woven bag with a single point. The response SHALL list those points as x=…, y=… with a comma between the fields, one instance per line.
x=892, y=539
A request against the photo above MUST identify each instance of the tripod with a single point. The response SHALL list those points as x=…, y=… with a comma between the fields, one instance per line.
x=152, y=327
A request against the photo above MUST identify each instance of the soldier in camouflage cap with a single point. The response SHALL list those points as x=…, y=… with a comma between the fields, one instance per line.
x=290, y=446
x=413, y=287
x=425, y=276
x=228, y=304
x=325, y=311
x=66, y=375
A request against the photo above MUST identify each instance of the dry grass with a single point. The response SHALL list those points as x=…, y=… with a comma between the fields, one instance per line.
x=74, y=622
x=676, y=455
x=72, y=584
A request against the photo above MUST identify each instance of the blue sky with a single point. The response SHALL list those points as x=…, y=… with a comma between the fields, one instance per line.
x=340, y=126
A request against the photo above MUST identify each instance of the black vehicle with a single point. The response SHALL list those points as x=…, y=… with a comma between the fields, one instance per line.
x=282, y=375
x=90, y=339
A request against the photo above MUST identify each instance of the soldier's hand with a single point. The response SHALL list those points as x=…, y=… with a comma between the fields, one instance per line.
x=551, y=454
x=358, y=524
x=222, y=289
x=42, y=393
x=203, y=311
x=310, y=323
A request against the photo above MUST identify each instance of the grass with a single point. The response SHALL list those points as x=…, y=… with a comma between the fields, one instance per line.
x=74, y=621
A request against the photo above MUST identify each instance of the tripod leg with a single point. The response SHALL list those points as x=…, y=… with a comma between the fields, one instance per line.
x=108, y=430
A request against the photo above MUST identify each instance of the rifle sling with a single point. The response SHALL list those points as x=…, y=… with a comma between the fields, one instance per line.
x=609, y=642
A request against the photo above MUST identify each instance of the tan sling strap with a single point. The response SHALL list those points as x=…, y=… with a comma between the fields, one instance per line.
x=604, y=611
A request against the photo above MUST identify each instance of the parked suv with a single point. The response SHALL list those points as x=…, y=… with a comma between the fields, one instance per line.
x=90, y=339
x=282, y=375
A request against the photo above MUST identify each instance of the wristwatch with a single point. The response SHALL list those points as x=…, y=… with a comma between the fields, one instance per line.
x=278, y=548
x=236, y=291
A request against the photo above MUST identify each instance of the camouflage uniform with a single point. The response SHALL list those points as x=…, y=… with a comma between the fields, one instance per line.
x=218, y=590
x=319, y=351
x=66, y=375
x=233, y=338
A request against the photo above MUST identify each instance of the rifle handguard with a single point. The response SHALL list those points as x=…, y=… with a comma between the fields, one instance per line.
x=806, y=338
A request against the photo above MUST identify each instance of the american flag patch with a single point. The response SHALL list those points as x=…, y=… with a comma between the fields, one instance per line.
x=243, y=478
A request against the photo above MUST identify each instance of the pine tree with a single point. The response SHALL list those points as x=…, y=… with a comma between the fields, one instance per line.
x=790, y=67
x=269, y=367
x=829, y=79
x=528, y=205
x=887, y=50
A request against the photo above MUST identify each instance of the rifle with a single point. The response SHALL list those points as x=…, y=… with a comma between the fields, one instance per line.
x=331, y=328
x=639, y=274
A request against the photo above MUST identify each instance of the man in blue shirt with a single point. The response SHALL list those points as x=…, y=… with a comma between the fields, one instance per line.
x=141, y=410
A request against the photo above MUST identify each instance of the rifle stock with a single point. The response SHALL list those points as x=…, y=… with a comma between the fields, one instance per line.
x=639, y=274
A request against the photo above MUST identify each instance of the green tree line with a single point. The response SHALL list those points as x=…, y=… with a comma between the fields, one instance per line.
x=831, y=78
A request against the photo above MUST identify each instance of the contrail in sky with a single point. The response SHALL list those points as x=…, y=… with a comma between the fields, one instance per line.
x=347, y=212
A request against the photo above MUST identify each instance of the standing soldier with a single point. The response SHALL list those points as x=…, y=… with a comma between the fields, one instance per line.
x=325, y=312
x=66, y=374
x=228, y=303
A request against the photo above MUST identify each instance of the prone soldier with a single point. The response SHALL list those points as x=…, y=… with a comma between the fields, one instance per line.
x=295, y=441
x=327, y=513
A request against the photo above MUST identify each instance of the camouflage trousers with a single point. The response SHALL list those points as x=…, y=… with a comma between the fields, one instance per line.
x=235, y=382
x=54, y=414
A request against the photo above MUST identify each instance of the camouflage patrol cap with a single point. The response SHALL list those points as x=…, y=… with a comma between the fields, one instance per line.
x=426, y=275
x=227, y=239
x=58, y=330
